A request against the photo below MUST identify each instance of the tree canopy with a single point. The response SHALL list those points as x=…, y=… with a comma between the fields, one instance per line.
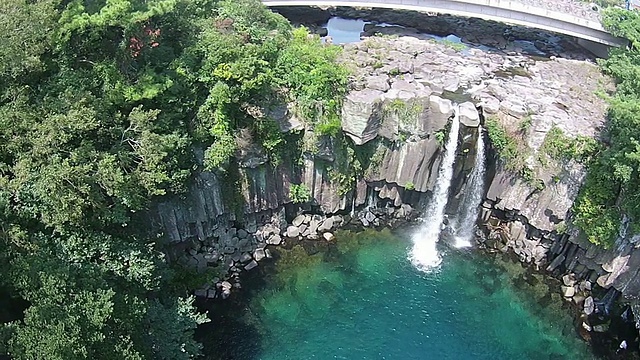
x=610, y=193
x=102, y=107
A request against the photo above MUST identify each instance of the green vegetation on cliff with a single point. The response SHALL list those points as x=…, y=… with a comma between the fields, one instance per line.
x=611, y=188
x=102, y=106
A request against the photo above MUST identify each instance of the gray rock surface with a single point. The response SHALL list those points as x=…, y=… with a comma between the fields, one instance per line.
x=362, y=115
x=589, y=306
x=293, y=231
x=469, y=115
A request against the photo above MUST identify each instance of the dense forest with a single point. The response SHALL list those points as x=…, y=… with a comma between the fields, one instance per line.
x=102, y=106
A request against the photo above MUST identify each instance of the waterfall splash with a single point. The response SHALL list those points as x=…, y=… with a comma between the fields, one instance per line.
x=424, y=254
x=470, y=206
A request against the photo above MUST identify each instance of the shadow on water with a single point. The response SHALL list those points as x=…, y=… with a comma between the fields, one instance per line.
x=232, y=333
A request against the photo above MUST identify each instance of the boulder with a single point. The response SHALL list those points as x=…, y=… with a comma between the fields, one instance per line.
x=601, y=328
x=326, y=225
x=568, y=280
x=259, y=254
x=275, y=239
x=245, y=257
x=293, y=231
x=370, y=216
x=380, y=82
x=362, y=115
x=439, y=112
x=298, y=220
x=589, y=306
x=251, y=265
x=313, y=226
x=468, y=115
x=568, y=291
x=328, y=236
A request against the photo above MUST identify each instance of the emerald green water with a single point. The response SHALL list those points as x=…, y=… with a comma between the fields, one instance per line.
x=362, y=299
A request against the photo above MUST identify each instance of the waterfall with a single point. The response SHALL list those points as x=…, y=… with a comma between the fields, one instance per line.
x=371, y=200
x=424, y=254
x=470, y=206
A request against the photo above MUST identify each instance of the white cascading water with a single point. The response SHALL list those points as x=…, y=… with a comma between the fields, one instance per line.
x=470, y=207
x=424, y=254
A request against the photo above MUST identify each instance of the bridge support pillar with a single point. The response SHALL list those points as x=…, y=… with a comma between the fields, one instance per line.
x=597, y=49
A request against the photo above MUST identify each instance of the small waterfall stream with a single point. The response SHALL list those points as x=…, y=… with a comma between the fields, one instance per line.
x=424, y=254
x=470, y=206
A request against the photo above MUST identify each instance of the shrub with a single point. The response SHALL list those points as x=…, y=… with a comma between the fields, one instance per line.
x=558, y=146
x=439, y=135
x=505, y=145
x=457, y=46
x=299, y=193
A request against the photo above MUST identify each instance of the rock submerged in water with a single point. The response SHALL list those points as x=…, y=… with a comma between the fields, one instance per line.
x=251, y=265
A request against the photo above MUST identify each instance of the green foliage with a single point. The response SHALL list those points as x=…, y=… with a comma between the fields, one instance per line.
x=371, y=155
x=27, y=26
x=611, y=187
x=609, y=3
x=317, y=85
x=440, y=135
x=558, y=146
x=525, y=124
x=330, y=126
x=406, y=112
x=624, y=24
x=561, y=228
x=344, y=181
x=299, y=193
x=507, y=147
x=611, y=184
x=409, y=186
x=102, y=106
x=457, y=46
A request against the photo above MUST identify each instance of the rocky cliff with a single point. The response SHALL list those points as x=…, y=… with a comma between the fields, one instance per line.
x=404, y=91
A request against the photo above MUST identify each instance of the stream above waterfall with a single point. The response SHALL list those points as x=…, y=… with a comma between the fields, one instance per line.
x=361, y=299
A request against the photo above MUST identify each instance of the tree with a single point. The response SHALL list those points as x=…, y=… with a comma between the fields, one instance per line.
x=102, y=106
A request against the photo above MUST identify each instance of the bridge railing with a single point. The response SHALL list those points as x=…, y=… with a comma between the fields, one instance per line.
x=509, y=11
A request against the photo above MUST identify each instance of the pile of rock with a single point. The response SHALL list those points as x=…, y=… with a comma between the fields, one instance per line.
x=388, y=216
x=574, y=290
x=313, y=227
x=235, y=249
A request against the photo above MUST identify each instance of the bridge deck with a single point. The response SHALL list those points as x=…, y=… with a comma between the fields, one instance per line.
x=513, y=12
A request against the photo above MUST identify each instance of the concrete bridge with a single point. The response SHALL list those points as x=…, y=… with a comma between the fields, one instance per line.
x=589, y=31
